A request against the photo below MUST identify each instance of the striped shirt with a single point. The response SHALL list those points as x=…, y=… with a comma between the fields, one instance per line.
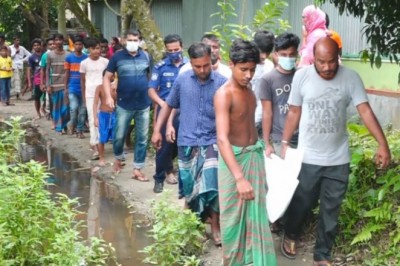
x=72, y=64
x=55, y=62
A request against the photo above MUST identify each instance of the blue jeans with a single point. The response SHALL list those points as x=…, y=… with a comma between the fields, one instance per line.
x=123, y=120
x=77, y=111
x=5, y=87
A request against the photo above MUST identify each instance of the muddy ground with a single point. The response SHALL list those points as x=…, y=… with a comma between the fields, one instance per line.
x=136, y=194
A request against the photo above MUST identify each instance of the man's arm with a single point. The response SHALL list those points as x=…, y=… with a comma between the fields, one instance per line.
x=222, y=101
x=382, y=157
x=83, y=86
x=107, y=88
x=291, y=124
x=156, y=138
x=29, y=75
x=267, y=125
x=155, y=98
x=96, y=104
x=170, y=134
x=48, y=84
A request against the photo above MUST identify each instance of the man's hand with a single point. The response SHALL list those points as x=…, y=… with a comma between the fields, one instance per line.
x=170, y=133
x=49, y=89
x=156, y=140
x=245, y=189
x=110, y=102
x=96, y=121
x=268, y=150
x=382, y=156
x=284, y=149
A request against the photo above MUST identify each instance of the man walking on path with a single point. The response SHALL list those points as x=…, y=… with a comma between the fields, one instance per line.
x=193, y=93
x=33, y=74
x=77, y=104
x=55, y=82
x=133, y=67
x=246, y=239
x=19, y=55
x=318, y=102
x=163, y=76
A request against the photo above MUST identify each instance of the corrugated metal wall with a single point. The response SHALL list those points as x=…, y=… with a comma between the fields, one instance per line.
x=191, y=19
x=104, y=19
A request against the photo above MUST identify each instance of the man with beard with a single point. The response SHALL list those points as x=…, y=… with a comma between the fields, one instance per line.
x=318, y=102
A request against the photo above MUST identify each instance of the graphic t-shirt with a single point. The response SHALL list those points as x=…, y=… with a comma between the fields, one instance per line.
x=275, y=87
x=93, y=70
x=322, y=131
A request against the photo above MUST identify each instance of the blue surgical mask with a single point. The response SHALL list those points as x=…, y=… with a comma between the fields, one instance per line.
x=65, y=47
x=175, y=57
x=287, y=63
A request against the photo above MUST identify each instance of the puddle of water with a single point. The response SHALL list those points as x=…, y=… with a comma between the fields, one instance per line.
x=101, y=204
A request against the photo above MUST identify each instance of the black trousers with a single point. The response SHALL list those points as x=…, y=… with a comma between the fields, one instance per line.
x=328, y=184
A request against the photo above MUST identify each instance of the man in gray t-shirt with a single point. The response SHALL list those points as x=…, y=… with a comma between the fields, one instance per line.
x=274, y=90
x=320, y=96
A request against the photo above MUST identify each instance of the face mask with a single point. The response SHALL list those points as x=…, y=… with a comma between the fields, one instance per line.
x=132, y=46
x=65, y=47
x=287, y=63
x=175, y=57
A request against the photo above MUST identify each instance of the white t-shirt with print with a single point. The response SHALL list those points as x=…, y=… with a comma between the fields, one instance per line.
x=93, y=70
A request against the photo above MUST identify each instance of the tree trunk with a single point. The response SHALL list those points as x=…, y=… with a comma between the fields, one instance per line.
x=140, y=11
x=62, y=21
x=38, y=22
x=82, y=17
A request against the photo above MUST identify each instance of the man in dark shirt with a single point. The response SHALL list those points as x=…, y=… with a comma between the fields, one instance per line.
x=132, y=66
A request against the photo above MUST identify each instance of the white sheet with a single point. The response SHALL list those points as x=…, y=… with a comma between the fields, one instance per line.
x=282, y=181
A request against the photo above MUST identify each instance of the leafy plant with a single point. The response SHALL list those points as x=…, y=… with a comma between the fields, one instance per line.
x=178, y=235
x=370, y=215
x=268, y=18
x=34, y=229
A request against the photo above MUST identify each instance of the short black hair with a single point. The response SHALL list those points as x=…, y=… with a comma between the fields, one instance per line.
x=286, y=40
x=2, y=36
x=58, y=36
x=264, y=40
x=103, y=40
x=170, y=38
x=244, y=51
x=36, y=40
x=134, y=33
x=77, y=38
x=211, y=37
x=199, y=49
x=51, y=38
x=327, y=20
x=91, y=42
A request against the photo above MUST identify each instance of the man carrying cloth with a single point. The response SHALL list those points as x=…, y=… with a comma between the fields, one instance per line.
x=246, y=238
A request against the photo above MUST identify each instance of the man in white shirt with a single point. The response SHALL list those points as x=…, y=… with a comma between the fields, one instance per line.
x=19, y=55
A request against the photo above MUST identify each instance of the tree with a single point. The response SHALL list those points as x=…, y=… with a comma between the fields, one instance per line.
x=382, y=29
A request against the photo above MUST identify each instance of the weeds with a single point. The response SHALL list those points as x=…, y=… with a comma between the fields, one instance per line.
x=34, y=229
x=179, y=235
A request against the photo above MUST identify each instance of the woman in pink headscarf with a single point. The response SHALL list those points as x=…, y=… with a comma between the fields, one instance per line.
x=313, y=29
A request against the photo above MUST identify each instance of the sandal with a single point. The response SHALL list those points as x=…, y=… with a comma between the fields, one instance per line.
x=322, y=263
x=95, y=156
x=288, y=248
x=139, y=176
x=217, y=239
x=171, y=179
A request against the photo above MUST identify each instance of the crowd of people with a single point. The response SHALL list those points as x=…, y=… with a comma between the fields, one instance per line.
x=218, y=120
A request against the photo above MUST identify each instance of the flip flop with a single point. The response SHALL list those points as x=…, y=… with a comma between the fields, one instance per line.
x=286, y=242
x=140, y=177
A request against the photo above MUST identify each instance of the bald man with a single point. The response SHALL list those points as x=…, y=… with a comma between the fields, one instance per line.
x=317, y=104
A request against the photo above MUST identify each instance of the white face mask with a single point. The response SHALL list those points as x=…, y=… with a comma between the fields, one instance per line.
x=132, y=46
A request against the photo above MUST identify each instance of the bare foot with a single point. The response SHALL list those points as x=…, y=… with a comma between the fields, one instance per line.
x=117, y=167
x=102, y=162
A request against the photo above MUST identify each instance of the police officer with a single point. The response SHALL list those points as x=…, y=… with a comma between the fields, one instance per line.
x=163, y=76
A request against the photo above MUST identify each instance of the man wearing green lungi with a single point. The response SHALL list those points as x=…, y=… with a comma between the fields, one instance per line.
x=246, y=238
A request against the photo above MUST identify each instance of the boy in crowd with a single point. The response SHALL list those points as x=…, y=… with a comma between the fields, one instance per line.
x=43, y=66
x=274, y=90
x=246, y=239
x=104, y=118
x=34, y=68
x=5, y=75
x=73, y=83
x=91, y=70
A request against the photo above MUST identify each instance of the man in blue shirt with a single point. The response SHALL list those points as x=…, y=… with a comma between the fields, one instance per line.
x=132, y=65
x=193, y=93
x=162, y=78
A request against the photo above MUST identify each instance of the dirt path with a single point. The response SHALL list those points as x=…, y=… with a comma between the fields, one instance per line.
x=136, y=193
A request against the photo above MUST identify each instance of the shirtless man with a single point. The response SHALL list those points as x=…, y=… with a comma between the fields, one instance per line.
x=104, y=118
x=241, y=173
